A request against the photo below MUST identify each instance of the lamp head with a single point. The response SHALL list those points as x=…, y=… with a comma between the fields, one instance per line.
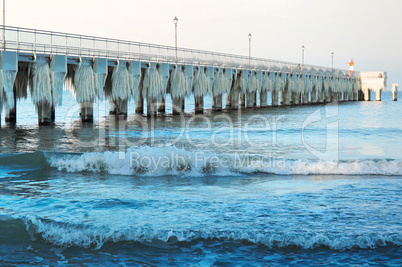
x=175, y=20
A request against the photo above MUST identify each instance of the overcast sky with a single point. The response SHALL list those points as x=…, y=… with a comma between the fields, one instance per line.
x=370, y=31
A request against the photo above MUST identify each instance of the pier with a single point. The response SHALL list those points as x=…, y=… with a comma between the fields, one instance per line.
x=95, y=68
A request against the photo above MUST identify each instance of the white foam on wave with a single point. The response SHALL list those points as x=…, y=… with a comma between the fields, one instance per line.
x=64, y=234
x=170, y=160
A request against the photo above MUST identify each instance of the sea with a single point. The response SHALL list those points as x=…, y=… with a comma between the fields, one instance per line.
x=278, y=186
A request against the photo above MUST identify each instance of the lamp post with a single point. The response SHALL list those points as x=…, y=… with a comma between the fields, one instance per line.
x=249, y=49
x=175, y=20
x=302, y=55
x=4, y=24
x=332, y=60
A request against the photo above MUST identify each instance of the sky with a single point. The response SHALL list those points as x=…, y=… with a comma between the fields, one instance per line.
x=370, y=31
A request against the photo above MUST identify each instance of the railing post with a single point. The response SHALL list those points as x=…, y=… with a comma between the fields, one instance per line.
x=94, y=46
x=80, y=44
x=51, y=42
x=35, y=44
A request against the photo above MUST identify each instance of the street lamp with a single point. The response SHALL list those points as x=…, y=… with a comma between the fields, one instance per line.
x=332, y=60
x=4, y=24
x=175, y=20
x=249, y=49
x=302, y=55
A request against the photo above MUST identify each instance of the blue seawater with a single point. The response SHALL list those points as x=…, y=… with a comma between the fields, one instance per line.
x=307, y=185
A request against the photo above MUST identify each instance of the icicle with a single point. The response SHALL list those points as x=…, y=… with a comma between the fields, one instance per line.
x=243, y=81
x=7, y=85
x=1, y=91
x=84, y=83
x=220, y=84
x=41, y=88
x=136, y=79
x=152, y=88
x=122, y=83
x=165, y=79
x=21, y=82
x=200, y=83
x=265, y=86
x=278, y=83
x=252, y=83
x=177, y=84
x=100, y=80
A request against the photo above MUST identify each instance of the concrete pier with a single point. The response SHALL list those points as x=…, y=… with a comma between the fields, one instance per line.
x=86, y=112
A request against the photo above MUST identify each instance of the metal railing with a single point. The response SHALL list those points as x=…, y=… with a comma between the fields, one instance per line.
x=24, y=40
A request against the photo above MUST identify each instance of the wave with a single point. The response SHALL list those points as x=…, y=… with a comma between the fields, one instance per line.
x=170, y=160
x=89, y=236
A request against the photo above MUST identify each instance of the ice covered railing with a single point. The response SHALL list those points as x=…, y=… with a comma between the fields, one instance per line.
x=32, y=41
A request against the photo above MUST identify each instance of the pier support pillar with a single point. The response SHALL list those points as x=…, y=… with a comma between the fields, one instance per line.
x=217, y=103
x=234, y=97
x=228, y=100
x=378, y=95
x=367, y=93
x=11, y=114
x=313, y=96
x=274, y=98
x=250, y=99
x=176, y=108
x=86, y=112
x=242, y=100
x=263, y=99
x=139, y=107
x=44, y=113
x=152, y=108
x=162, y=106
x=296, y=99
x=199, y=104
x=112, y=107
x=305, y=99
x=320, y=97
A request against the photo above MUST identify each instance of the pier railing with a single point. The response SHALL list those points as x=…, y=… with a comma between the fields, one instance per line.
x=24, y=40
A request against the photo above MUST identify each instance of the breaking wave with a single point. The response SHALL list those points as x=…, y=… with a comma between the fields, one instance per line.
x=67, y=235
x=170, y=160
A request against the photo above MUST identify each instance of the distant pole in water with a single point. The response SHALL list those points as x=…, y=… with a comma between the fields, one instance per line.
x=302, y=55
x=175, y=20
x=332, y=60
x=249, y=49
x=394, y=92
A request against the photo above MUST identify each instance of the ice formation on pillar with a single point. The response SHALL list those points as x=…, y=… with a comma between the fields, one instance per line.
x=239, y=84
x=7, y=79
x=229, y=79
x=309, y=84
x=1, y=90
x=200, y=83
x=152, y=87
x=84, y=83
x=21, y=81
x=165, y=79
x=178, y=87
x=252, y=83
x=122, y=83
x=265, y=83
x=100, y=80
x=40, y=83
x=357, y=85
x=278, y=83
x=219, y=84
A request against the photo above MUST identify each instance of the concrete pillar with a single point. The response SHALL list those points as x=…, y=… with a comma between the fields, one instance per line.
x=367, y=93
x=274, y=97
x=263, y=99
x=152, y=108
x=11, y=114
x=242, y=100
x=291, y=98
x=305, y=98
x=44, y=114
x=313, y=96
x=234, y=97
x=86, y=112
x=139, y=108
x=176, y=109
x=112, y=107
x=354, y=96
x=183, y=104
x=52, y=113
x=217, y=103
x=228, y=100
x=327, y=96
x=296, y=98
x=254, y=99
x=162, y=106
x=394, y=92
x=378, y=95
x=250, y=99
x=199, y=104
x=320, y=97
